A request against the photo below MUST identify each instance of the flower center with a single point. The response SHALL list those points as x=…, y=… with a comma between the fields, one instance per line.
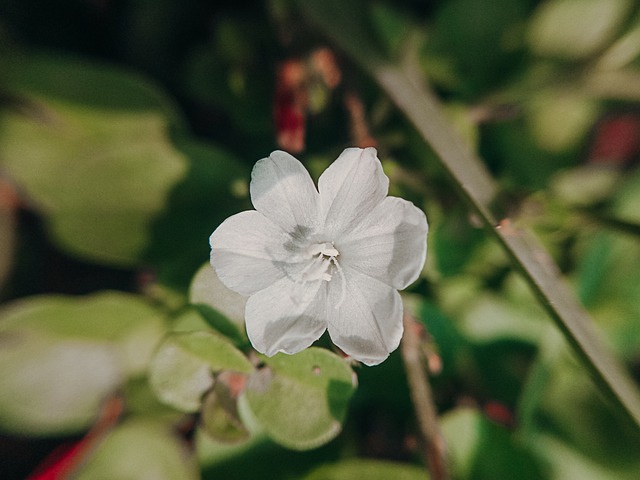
x=323, y=256
x=323, y=266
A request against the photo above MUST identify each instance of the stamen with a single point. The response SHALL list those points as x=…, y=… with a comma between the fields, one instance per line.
x=313, y=270
x=323, y=256
x=343, y=282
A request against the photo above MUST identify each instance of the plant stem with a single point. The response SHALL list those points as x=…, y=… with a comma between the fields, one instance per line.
x=435, y=449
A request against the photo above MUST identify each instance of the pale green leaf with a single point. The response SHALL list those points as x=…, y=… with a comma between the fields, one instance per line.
x=178, y=378
x=585, y=185
x=568, y=463
x=576, y=29
x=559, y=121
x=220, y=417
x=626, y=203
x=100, y=169
x=461, y=428
x=207, y=289
x=139, y=449
x=567, y=404
x=182, y=369
x=301, y=400
x=482, y=449
x=53, y=386
x=216, y=351
x=127, y=322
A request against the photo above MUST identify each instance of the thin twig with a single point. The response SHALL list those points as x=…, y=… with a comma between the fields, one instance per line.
x=435, y=449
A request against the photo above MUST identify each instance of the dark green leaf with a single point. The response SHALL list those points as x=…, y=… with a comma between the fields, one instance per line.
x=356, y=469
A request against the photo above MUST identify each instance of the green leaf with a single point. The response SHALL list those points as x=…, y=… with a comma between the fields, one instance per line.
x=585, y=185
x=560, y=121
x=575, y=29
x=142, y=401
x=357, y=469
x=490, y=317
x=481, y=38
x=609, y=282
x=570, y=408
x=207, y=289
x=53, y=386
x=220, y=417
x=214, y=188
x=483, y=450
x=523, y=158
x=479, y=190
x=595, y=264
x=123, y=320
x=461, y=430
x=182, y=369
x=259, y=457
x=80, y=81
x=222, y=308
x=453, y=241
x=213, y=349
x=140, y=449
x=626, y=202
x=93, y=157
x=391, y=25
x=61, y=356
x=301, y=400
x=567, y=462
x=446, y=337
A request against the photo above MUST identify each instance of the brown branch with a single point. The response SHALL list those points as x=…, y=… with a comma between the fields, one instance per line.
x=435, y=449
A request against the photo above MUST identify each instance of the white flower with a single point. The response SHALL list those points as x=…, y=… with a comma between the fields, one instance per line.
x=328, y=258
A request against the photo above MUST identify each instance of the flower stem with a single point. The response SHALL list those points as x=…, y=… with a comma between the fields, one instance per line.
x=435, y=448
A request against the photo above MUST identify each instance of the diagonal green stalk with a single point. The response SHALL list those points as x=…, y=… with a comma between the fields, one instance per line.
x=344, y=23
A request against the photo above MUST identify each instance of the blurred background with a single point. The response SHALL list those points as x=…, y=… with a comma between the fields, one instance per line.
x=128, y=129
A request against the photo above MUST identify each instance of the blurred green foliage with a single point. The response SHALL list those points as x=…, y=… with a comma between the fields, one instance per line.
x=127, y=134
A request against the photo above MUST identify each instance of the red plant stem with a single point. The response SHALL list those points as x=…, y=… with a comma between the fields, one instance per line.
x=65, y=460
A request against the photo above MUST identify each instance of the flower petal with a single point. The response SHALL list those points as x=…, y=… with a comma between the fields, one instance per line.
x=365, y=322
x=350, y=188
x=390, y=244
x=282, y=190
x=286, y=317
x=249, y=252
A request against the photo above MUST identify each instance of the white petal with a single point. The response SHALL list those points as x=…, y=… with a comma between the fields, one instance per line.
x=249, y=252
x=390, y=244
x=282, y=190
x=350, y=188
x=367, y=325
x=286, y=317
